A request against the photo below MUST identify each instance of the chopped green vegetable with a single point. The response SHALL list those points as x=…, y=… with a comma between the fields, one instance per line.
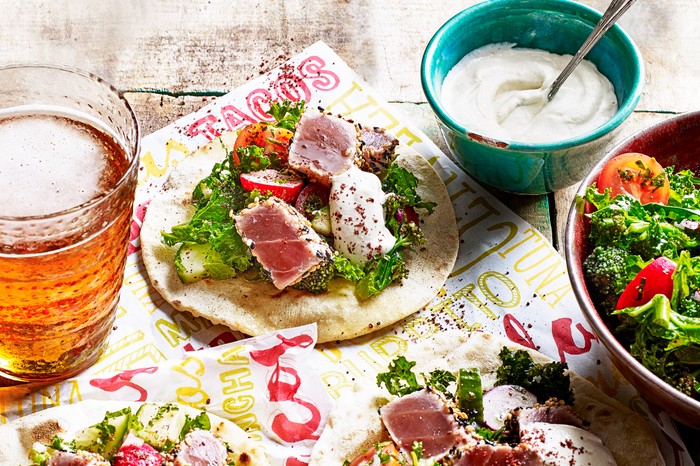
x=608, y=270
x=416, y=451
x=253, y=159
x=667, y=343
x=470, y=394
x=400, y=181
x=201, y=421
x=321, y=221
x=543, y=380
x=400, y=379
x=287, y=113
x=346, y=269
x=440, y=380
x=105, y=437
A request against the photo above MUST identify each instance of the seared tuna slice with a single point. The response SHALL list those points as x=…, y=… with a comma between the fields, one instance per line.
x=424, y=417
x=558, y=414
x=378, y=149
x=79, y=458
x=323, y=145
x=495, y=455
x=282, y=241
x=200, y=448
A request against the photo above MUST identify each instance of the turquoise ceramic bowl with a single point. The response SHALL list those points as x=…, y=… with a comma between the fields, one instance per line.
x=558, y=26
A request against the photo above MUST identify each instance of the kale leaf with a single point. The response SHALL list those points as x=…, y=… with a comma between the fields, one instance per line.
x=215, y=197
x=543, y=380
x=400, y=379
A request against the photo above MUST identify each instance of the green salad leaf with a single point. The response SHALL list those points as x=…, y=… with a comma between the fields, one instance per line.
x=543, y=380
x=400, y=379
x=287, y=113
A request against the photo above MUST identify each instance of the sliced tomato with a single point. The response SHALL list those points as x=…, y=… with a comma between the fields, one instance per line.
x=281, y=185
x=271, y=139
x=312, y=197
x=367, y=458
x=655, y=278
x=636, y=175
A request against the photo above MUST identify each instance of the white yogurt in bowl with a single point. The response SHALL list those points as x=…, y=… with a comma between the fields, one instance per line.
x=500, y=91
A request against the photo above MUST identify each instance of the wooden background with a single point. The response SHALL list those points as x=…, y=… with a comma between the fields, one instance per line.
x=172, y=57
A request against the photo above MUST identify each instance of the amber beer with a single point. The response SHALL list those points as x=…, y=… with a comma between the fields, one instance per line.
x=68, y=181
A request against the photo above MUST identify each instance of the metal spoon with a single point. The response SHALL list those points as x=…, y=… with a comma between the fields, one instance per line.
x=614, y=11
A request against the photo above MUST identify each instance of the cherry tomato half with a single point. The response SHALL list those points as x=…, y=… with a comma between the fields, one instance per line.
x=272, y=139
x=636, y=175
x=281, y=185
x=655, y=278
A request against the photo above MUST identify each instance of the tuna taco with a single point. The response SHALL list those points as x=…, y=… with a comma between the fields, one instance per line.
x=477, y=399
x=101, y=433
x=312, y=218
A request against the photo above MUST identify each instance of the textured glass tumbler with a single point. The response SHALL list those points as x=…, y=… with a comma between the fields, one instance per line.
x=69, y=145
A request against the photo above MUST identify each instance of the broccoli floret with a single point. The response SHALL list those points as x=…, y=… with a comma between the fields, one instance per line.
x=605, y=271
x=607, y=227
x=317, y=280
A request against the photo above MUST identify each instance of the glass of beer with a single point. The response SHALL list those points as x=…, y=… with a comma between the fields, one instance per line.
x=69, y=145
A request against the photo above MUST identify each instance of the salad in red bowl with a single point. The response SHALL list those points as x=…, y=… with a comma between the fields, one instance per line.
x=633, y=255
x=643, y=270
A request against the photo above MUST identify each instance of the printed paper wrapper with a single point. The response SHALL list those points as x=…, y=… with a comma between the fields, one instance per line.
x=508, y=280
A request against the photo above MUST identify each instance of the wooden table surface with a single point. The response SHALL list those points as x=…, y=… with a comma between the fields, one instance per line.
x=172, y=57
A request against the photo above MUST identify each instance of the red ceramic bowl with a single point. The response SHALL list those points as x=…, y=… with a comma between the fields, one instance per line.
x=675, y=141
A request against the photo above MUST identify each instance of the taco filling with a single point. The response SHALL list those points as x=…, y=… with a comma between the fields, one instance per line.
x=525, y=419
x=301, y=201
x=153, y=435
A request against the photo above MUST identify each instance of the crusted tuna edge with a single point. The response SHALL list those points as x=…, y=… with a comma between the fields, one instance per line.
x=313, y=174
x=324, y=252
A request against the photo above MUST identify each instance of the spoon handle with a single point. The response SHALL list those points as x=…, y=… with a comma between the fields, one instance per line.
x=614, y=11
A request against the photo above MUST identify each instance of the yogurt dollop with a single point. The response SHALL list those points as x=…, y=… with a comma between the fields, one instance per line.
x=500, y=91
x=357, y=216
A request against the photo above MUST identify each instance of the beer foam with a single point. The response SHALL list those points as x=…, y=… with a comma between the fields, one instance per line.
x=49, y=164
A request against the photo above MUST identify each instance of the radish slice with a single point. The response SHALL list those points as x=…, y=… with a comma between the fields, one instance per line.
x=500, y=400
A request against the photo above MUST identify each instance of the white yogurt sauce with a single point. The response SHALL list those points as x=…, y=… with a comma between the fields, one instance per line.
x=565, y=445
x=357, y=216
x=500, y=91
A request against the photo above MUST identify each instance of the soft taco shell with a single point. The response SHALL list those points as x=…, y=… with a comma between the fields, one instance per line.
x=257, y=308
x=18, y=437
x=354, y=424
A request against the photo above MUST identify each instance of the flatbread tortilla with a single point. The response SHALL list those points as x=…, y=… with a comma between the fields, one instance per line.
x=18, y=437
x=354, y=424
x=256, y=308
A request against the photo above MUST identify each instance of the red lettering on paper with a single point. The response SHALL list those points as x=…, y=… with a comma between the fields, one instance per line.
x=205, y=127
x=255, y=100
x=271, y=356
x=289, y=85
x=322, y=79
x=123, y=379
x=135, y=229
x=189, y=347
x=564, y=339
x=292, y=461
x=283, y=385
x=235, y=118
x=516, y=332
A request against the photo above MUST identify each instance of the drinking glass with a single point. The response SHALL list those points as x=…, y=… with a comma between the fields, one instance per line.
x=69, y=146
